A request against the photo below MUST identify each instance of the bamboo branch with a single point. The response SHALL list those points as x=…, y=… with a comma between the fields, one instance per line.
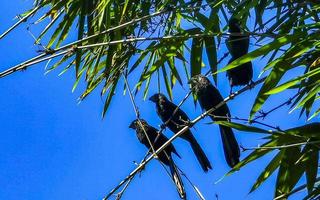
x=23, y=19
x=285, y=146
x=32, y=61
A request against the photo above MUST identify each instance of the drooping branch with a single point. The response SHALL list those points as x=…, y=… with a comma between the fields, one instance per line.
x=183, y=130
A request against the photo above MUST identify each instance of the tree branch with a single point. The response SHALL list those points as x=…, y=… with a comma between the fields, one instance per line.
x=23, y=19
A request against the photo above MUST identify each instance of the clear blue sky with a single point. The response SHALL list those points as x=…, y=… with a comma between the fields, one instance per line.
x=53, y=148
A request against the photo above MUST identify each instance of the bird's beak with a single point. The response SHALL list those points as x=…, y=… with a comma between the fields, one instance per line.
x=153, y=99
x=132, y=125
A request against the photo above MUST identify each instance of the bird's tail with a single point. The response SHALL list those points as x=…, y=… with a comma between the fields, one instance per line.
x=177, y=179
x=198, y=151
x=230, y=145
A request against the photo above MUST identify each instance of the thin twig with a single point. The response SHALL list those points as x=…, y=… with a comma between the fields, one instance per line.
x=253, y=121
x=23, y=19
x=284, y=146
x=23, y=66
x=263, y=114
x=183, y=130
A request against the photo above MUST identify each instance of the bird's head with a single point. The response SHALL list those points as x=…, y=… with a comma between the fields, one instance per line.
x=198, y=81
x=136, y=124
x=158, y=97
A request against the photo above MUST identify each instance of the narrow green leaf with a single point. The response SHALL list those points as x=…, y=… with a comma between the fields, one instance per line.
x=276, y=44
x=289, y=172
x=311, y=166
x=242, y=127
x=212, y=56
x=109, y=97
x=271, y=81
x=196, y=56
x=257, y=153
x=166, y=81
x=271, y=167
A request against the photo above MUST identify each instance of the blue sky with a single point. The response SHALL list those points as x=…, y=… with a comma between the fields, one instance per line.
x=51, y=147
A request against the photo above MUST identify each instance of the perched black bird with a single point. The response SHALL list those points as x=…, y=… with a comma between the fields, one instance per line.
x=237, y=43
x=240, y=75
x=165, y=156
x=238, y=46
x=165, y=110
x=208, y=97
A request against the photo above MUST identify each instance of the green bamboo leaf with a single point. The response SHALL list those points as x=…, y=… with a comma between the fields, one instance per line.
x=204, y=21
x=65, y=31
x=80, y=36
x=109, y=97
x=293, y=82
x=57, y=31
x=61, y=61
x=212, y=56
x=45, y=30
x=146, y=89
x=276, y=44
x=289, y=172
x=142, y=56
x=311, y=166
x=259, y=11
x=156, y=65
x=174, y=70
x=271, y=81
x=242, y=127
x=311, y=95
x=308, y=130
x=91, y=86
x=166, y=81
x=257, y=153
x=196, y=56
x=268, y=171
x=314, y=114
x=78, y=79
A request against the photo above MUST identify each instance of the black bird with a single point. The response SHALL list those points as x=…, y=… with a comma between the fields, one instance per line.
x=157, y=140
x=238, y=46
x=165, y=110
x=208, y=97
x=241, y=75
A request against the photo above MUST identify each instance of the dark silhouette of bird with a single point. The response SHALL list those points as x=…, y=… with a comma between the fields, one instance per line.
x=208, y=97
x=238, y=45
x=157, y=140
x=175, y=121
x=241, y=75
